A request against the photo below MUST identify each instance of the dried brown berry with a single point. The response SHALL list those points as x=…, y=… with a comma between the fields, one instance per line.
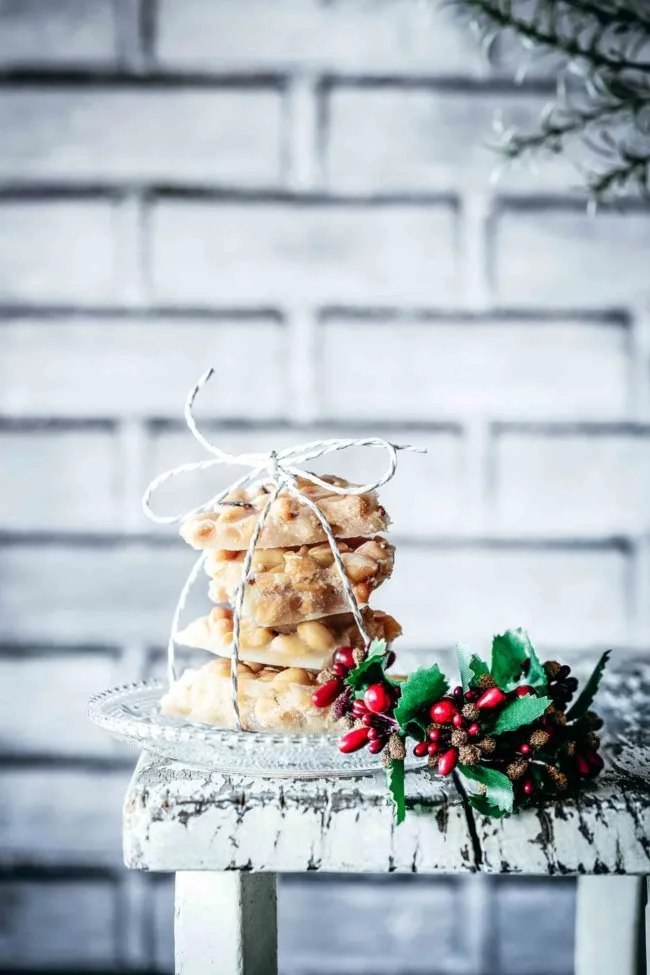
x=570, y=748
x=517, y=769
x=325, y=675
x=359, y=655
x=558, y=778
x=552, y=669
x=593, y=720
x=469, y=754
x=459, y=737
x=386, y=758
x=593, y=740
x=485, y=681
x=471, y=712
x=396, y=747
x=556, y=715
x=487, y=745
x=539, y=739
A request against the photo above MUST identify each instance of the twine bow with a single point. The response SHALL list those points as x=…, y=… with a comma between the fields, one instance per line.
x=282, y=469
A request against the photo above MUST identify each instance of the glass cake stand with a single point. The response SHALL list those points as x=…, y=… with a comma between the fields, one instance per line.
x=131, y=713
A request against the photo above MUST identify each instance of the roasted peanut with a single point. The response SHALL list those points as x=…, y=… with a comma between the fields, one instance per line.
x=286, y=643
x=315, y=635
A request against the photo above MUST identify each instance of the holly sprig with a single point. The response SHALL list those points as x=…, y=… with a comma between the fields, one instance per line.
x=506, y=729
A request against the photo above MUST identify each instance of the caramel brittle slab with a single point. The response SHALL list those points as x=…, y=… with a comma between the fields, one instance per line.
x=310, y=644
x=291, y=585
x=289, y=523
x=269, y=699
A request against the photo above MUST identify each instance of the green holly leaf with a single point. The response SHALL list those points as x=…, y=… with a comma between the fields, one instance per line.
x=509, y=652
x=416, y=728
x=370, y=670
x=521, y=711
x=470, y=666
x=485, y=808
x=585, y=699
x=424, y=687
x=395, y=782
x=498, y=787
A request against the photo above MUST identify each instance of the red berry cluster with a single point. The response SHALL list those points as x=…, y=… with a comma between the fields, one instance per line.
x=456, y=713
x=374, y=711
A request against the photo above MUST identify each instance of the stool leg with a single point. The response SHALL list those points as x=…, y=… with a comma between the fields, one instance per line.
x=225, y=923
x=608, y=922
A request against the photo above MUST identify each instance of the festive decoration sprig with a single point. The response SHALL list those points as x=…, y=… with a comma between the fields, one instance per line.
x=514, y=730
x=601, y=51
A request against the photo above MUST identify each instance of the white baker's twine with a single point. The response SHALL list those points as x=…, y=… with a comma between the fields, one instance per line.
x=280, y=468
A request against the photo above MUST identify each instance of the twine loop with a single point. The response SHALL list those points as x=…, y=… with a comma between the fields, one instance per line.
x=278, y=470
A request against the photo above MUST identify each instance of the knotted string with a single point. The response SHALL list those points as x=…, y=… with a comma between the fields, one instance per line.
x=281, y=469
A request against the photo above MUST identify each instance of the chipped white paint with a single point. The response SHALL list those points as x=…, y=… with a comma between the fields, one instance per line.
x=180, y=818
x=225, y=924
x=608, y=914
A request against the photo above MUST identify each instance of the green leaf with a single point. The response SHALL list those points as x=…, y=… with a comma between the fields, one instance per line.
x=485, y=808
x=395, y=782
x=470, y=667
x=584, y=700
x=416, y=728
x=426, y=686
x=498, y=786
x=371, y=669
x=509, y=652
x=521, y=711
x=536, y=675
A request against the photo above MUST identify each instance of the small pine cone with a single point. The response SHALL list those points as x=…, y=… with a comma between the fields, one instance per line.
x=386, y=758
x=485, y=681
x=469, y=754
x=459, y=737
x=349, y=722
x=324, y=675
x=433, y=762
x=342, y=704
x=359, y=655
x=570, y=748
x=594, y=740
x=487, y=745
x=471, y=712
x=517, y=769
x=556, y=715
x=396, y=747
x=552, y=669
x=558, y=778
x=539, y=739
x=593, y=720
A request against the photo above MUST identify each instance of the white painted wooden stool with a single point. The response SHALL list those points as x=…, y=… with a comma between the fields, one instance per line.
x=226, y=839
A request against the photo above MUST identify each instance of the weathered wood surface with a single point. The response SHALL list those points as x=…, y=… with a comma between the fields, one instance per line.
x=177, y=818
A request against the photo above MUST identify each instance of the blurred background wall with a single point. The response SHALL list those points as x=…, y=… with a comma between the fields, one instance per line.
x=299, y=193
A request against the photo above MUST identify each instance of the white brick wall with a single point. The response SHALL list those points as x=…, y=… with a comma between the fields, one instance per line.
x=302, y=188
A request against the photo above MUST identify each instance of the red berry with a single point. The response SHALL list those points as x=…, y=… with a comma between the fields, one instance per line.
x=443, y=711
x=582, y=765
x=353, y=740
x=368, y=720
x=525, y=748
x=345, y=656
x=474, y=730
x=447, y=762
x=434, y=734
x=377, y=745
x=471, y=695
x=458, y=692
x=421, y=749
x=339, y=669
x=524, y=689
x=434, y=747
x=458, y=721
x=374, y=733
x=492, y=698
x=596, y=762
x=326, y=693
x=377, y=699
x=359, y=709
x=528, y=787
